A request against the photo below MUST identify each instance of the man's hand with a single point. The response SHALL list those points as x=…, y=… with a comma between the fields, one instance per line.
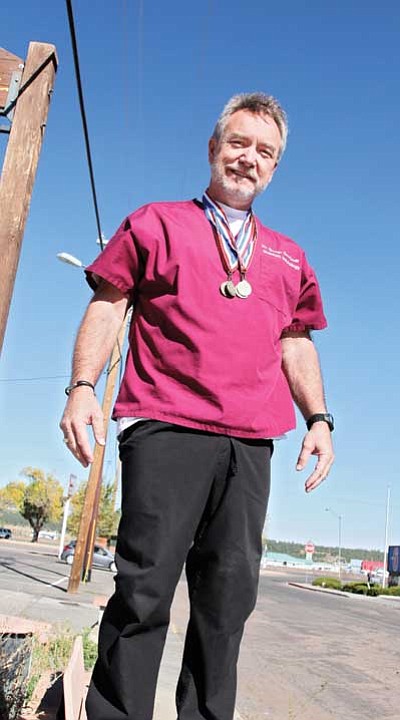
x=96, y=337
x=81, y=410
x=318, y=442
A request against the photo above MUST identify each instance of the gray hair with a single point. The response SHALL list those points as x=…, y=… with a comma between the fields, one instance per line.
x=257, y=103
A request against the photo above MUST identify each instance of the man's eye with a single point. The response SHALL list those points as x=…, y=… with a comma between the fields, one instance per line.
x=266, y=154
x=236, y=143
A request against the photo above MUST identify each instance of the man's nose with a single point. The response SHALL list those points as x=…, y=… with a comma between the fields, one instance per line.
x=248, y=156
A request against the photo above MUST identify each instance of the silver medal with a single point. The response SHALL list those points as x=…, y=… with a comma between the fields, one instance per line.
x=222, y=289
x=243, y=289
x=230, y=289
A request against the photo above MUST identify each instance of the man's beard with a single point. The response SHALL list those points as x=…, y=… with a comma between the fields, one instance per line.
x=235, y=191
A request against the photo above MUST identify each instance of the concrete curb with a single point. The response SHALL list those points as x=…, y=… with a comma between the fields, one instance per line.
x=313, y=588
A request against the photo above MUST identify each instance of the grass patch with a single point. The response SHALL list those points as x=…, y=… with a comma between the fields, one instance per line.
x=53, y=656
x=395, y=591
x=89, y=649
x=358, y=588
x=328, y=582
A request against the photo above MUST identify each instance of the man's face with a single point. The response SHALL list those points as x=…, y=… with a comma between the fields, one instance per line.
x=243, y=161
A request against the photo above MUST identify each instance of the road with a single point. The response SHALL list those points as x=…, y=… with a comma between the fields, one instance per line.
x=313, y=656
x=34, y=584
x=305, y=655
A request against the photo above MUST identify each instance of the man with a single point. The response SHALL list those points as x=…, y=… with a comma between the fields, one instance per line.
x=219, y=345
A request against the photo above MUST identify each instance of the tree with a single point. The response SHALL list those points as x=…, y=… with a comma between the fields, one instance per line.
x=108, y=518
x=11, y=496
x=42, y=499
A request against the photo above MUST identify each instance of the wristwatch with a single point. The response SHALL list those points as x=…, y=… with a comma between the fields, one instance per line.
x=321, y=417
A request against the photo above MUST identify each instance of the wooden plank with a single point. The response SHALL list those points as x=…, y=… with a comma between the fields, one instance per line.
x=8, y=64
x=20, y=164
x=74, y=684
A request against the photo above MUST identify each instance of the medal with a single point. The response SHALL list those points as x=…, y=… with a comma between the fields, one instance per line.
x=237, y=252
x=222, y=289
x=243, y=289
x=230, y=289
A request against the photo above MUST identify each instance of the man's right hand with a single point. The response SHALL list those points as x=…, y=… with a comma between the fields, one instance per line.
x=82, y=409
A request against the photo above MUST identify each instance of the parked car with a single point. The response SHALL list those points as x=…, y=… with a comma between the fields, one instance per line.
x=377, y=575
x=101, y=556
x=5, y=533
x=48, y=534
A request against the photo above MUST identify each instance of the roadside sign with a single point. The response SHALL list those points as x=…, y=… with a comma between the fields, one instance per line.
x=394, y=559
x=310, y=548
x=71, y=485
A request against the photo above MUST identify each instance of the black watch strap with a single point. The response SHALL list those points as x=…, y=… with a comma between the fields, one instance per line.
x=321, y=417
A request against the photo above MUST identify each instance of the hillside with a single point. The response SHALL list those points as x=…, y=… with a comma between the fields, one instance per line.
x=322, y=552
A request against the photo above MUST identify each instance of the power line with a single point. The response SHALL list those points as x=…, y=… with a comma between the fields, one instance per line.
x=46, y=377
x=83, y=116
x=37, y=379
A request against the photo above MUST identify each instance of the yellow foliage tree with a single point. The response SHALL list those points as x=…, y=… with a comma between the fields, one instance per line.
x=42, y=499
x=11, y=496
x=108, y=518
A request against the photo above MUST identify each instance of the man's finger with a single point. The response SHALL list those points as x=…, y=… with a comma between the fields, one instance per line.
x=98, y=429
x=82, y=444
x=304, y=456
x=73, y=448
x=320, y=473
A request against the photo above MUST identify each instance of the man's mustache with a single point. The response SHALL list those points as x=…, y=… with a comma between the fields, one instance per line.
x=239, y=171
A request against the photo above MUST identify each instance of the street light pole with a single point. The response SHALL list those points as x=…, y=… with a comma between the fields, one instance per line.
x=386, y=537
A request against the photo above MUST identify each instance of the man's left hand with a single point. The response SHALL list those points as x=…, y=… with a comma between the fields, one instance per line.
x=318, y=442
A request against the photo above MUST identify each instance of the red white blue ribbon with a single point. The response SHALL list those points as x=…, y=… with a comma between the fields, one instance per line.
x=236, y=252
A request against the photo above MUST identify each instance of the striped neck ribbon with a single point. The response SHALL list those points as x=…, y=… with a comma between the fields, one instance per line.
x=236, y=252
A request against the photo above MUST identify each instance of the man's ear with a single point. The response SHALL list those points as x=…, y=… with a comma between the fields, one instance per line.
x=212, y=144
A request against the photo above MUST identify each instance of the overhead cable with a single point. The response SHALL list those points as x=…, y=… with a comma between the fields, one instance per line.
x=83, y=116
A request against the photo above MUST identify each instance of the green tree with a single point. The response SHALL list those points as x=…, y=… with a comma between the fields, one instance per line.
x=108, y=518
x=42, y=499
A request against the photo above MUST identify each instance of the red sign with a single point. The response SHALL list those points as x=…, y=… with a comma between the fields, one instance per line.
x=310, y=548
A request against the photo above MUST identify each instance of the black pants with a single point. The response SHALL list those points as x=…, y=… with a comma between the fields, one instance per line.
x=186, y=496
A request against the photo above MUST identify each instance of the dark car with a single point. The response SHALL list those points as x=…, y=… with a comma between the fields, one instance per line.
x=101, y=556
x=5, y=533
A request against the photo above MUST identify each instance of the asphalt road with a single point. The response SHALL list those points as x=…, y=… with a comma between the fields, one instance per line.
x=305, y=655
x=33, y=584
x=313, y=656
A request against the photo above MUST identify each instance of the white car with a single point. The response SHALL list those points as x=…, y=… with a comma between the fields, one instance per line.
x=48, y=534
x=377, y=575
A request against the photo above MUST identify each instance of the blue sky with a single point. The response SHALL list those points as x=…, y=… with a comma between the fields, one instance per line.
x=155, y=77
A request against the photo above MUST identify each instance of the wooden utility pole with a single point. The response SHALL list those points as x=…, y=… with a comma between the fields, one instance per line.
x=21, y=159
x=87, y=526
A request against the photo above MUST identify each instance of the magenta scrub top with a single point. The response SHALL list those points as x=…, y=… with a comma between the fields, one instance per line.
x=197, y=358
